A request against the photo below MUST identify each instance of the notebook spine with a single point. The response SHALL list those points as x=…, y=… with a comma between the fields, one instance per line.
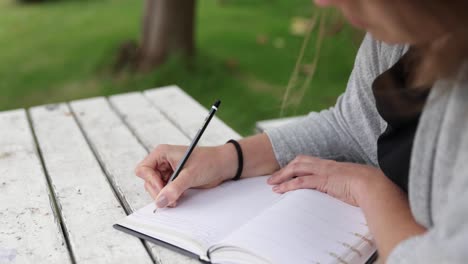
x=364, y=238
x=338, y=258
x=353, y=249
x=204, y=259
x=356, y=252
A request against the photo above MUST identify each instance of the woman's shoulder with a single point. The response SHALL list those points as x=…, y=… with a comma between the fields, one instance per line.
x=384, y=55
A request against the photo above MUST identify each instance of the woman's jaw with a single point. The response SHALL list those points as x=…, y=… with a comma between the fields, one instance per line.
x=389, y=21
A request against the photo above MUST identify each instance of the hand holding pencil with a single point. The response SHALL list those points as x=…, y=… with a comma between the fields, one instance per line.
x=169, y=170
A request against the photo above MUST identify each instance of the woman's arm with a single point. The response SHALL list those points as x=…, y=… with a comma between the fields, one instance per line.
x=259, y=158
x=349, y=130
x=387, y=212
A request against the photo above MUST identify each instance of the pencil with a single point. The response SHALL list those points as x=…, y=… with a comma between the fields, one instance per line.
x=192, y=146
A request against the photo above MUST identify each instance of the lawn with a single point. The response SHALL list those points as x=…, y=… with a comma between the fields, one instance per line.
x=64, y=50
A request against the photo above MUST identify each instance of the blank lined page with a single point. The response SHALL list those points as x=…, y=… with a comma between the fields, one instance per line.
x=205, y=216
x=306, y=226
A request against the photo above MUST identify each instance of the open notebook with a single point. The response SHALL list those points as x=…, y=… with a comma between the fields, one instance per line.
x=246, y=222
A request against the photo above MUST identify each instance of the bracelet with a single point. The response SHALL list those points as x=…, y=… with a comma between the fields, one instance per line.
x=240, y=159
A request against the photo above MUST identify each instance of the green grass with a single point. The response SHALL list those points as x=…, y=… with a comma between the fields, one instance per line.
x=64, y=50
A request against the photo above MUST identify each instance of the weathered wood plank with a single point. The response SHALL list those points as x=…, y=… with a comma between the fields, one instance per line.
x=263, y=125
x=152, y=128
x=116, y=148
x=189, y=115
x=87, y=203
x=146, y=121
x=29, y=230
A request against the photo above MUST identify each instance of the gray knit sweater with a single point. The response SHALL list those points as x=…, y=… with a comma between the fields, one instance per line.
x=438, y=178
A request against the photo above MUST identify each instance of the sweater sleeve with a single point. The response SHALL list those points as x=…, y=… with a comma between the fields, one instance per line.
x=349, y=130
x=446, y=241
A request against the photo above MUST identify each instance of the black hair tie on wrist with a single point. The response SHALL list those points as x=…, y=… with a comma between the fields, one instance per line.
x=240, y=159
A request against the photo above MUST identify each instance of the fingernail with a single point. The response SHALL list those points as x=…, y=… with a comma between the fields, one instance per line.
x=269, y=180
x=162, y=201
x=276, y=188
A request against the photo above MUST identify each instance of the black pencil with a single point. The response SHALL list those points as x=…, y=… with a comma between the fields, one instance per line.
x=192, y=146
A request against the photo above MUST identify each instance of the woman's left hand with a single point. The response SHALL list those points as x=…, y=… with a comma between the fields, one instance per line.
x=341, y=180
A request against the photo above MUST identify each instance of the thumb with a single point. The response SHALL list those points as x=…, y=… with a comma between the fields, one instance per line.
x=173, y=190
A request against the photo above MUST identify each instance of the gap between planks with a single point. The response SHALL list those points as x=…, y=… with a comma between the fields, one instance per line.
x=113, y=185
x=77, y=167
x=188, y=114
x=110, y=126
x=26, y=209
x=53, y=198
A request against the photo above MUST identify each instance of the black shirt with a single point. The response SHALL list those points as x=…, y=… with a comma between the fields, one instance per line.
x=400, y=106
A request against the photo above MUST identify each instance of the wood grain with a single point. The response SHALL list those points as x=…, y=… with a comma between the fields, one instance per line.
x=150, y=125
x=188, y=115
x=29, y=228
x=87, y=203
x=152, y=128
x=262, y=126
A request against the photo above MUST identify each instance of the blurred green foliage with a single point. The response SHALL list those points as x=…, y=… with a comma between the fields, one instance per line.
x=64, y=50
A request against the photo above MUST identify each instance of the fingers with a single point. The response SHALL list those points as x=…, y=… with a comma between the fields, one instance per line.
x=159, y=165
x=149, y=189
x=174, y=204
x=157, y=154
x=154, y=193
x=173, y=190
x=304, y=182
x=300, y=166
x=154, y=167
x=304, y=172
x=150, y=176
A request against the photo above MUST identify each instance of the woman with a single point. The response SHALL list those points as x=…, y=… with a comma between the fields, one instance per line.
x=395, y=144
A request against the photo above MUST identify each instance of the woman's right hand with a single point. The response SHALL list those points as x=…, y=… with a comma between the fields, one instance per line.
x=207, y=167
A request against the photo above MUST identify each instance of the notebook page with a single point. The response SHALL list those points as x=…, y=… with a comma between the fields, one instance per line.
x=204, y=217
x=304, y=226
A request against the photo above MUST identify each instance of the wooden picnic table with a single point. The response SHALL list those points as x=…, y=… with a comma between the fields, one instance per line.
x=67, y=174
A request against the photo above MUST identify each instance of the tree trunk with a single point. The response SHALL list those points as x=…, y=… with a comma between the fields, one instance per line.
x=168, y=28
